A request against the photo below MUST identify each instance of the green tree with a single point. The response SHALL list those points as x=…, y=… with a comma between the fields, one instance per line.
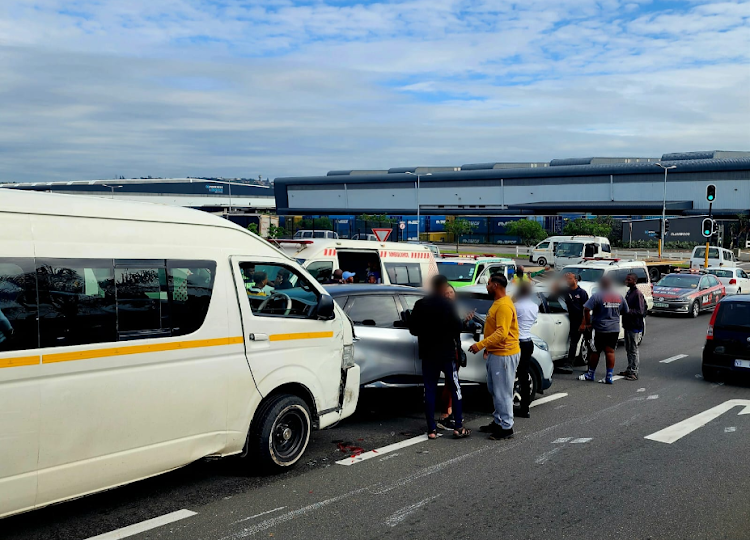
x=599, y=226
x=320, y=224
x=457, y=228
x=529, y=231
x=253, y=228
x=275, y=232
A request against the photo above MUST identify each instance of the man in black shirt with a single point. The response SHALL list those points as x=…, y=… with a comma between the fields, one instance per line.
x=435, y=322
x=575, y=297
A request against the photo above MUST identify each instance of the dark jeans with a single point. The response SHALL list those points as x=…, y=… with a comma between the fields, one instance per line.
x=575, y=337
x=431, y=375
x=527, y=349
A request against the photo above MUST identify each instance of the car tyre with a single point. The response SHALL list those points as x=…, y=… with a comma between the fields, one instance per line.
x=541, y=261
x=695, y=309
x=533, y=384
x=710, y=374
x=654, y=274
x=280, y=434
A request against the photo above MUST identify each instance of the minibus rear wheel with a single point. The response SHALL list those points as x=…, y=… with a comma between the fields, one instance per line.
x=280, y=435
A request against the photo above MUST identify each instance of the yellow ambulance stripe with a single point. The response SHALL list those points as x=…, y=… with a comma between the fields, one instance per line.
x=300, y=335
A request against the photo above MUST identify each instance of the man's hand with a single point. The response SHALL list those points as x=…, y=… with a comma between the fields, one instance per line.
x=474, y=349
x=470, y=315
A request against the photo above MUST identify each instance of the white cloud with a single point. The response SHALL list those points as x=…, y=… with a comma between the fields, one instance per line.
x=93, y=89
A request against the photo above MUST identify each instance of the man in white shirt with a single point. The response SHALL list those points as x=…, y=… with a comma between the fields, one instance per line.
x=527, y=311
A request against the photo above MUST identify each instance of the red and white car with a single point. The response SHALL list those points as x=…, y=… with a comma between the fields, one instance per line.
x=688, y=293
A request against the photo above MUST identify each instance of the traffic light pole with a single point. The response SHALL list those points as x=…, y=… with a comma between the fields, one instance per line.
x=708, y=239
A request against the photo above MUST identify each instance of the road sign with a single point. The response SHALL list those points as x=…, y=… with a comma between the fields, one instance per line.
x=686, y=427
x=381, y=234
x=401, y=225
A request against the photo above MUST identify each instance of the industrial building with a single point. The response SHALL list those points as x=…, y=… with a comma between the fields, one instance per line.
x=608, y=186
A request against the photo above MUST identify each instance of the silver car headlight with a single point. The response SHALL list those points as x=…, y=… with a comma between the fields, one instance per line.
x=347, y=359
x=539, y=343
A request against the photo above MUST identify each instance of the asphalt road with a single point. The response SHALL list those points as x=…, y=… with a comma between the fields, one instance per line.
x=579, y=468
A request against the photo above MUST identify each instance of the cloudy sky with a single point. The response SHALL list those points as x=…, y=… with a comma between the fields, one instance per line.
x=98, y=88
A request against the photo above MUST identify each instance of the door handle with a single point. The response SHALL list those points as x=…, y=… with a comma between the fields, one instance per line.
x=258, y=337
x=558, y=322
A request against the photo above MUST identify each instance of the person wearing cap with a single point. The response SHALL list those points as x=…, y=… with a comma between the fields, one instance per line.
x=348, y=277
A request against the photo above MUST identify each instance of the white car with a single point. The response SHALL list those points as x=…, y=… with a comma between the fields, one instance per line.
x=717, y=257
x=735, y=280
x=552, y=325
x=590, y=272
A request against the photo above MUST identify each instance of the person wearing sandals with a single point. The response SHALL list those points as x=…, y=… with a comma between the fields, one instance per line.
x=447, y=420
x=503, y=353
x=436, y=324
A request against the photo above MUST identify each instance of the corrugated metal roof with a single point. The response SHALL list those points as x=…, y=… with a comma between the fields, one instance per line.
x=682, y=156
x=570, y=161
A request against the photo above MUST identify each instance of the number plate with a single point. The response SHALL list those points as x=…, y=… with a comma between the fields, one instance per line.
x=660, y=304
x=742, y=363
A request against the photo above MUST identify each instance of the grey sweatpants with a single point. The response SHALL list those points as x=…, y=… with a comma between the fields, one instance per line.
x=501, y=377
x=631, y=347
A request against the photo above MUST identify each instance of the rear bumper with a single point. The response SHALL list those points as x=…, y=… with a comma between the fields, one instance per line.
x=725, y=362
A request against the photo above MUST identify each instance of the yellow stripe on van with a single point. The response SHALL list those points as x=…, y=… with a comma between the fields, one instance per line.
x=300, y=335
x=138, y=349
x=19, y=361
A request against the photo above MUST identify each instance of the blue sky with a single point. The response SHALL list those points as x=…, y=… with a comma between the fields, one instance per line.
x=97, y=88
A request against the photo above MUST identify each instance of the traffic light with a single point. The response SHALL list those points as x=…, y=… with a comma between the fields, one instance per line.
x=708, y=227
x=710, y=192
x=666, y=226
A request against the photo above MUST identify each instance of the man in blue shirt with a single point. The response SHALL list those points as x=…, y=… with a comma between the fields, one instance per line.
x=602, y=314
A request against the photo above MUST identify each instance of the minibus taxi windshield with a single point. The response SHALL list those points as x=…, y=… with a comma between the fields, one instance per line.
x=569, y=249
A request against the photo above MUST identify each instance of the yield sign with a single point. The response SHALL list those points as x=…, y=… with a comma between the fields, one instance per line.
x=679, y=430
x=381, y=234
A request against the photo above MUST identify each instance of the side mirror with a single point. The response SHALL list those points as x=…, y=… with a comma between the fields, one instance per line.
x=325, y=308
x=482, y=280
x=400, y=324
x=368, y=322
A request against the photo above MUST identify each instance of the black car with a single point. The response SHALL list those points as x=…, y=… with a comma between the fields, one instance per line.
x=727, y=349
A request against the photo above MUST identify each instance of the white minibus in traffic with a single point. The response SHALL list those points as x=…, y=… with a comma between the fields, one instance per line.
x=578, y=248
x=136, y=338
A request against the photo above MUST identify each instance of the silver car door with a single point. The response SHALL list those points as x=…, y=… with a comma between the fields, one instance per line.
x=383, y=350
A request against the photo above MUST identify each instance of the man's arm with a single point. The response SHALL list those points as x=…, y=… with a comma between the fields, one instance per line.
x=415, y=320
x=503, y=319
x=586, y=320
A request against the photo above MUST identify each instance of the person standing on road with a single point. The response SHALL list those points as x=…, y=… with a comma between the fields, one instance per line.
x=435, y=322
x=527, y=311
x=602, y=314
x=632, y=322
x=502, y=354
x=520, y=276
x=575, y=298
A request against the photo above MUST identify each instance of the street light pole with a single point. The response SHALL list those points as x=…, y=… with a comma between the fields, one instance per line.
x=662, y=239
x=112, y=188
x=419, y=223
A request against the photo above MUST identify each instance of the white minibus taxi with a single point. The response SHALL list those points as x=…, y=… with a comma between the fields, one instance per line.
x=717, y=256
x=137, y=338
x=578, y=248
x=393, y=263
x=544, y=252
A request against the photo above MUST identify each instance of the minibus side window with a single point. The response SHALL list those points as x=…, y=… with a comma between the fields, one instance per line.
x=190, y=287
x=274, y=290
x=320, y=270
x=142, y=303
x=76, y=301
x=19, y=328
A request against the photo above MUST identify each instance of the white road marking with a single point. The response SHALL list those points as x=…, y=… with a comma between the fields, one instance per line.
x=673, y=358
x=730, y=429
x=653, y=396
x=679, y=430
x=261, y=514
x=617, y=377
x=581, y=440
x=144, y=525
x=544, y=458
x=562, y=440
x=400, y=515
x=641, y=390
x=386, y=458
x=547, y=399
x=380, y=451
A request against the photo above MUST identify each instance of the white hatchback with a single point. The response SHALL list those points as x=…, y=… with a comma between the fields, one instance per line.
x=735, y=280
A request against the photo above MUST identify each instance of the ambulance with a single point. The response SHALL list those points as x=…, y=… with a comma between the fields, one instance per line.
x=391, y=263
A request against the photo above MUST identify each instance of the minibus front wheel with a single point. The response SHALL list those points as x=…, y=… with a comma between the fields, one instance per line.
x=281, y=433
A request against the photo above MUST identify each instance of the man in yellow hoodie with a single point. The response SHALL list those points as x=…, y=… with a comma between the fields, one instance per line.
x=502, y=352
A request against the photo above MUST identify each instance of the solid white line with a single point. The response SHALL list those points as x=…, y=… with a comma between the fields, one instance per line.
x=544, y=458
x=380, y=451
x=547, y=399
x=261, y=514
x=144, y=525
x=672, y=358
x=400, y=515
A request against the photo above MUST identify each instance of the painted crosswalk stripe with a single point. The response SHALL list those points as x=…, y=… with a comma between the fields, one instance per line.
x=144, y=526
x=547, y=399
x=384, y=450
x=672, y=358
